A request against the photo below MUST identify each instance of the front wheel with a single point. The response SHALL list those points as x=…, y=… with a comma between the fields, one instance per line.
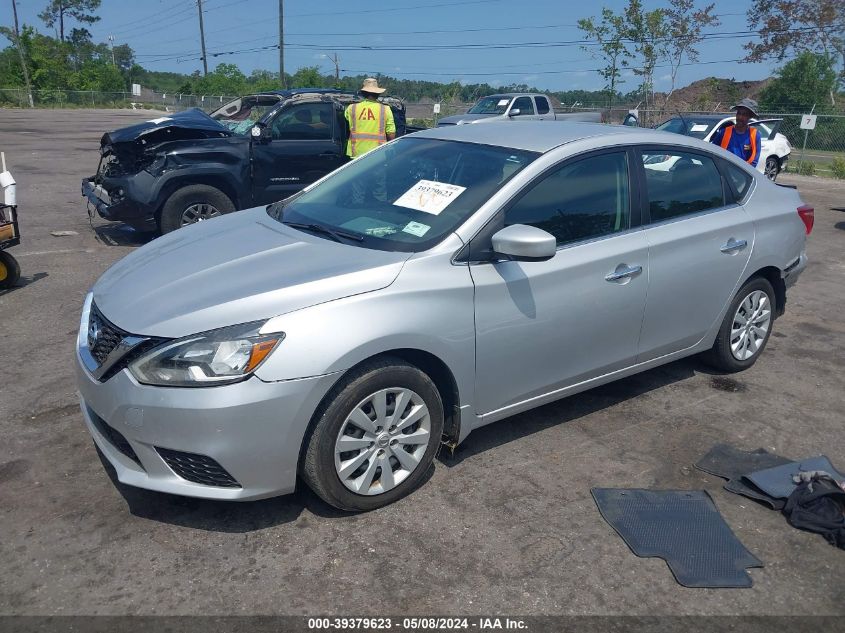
x=375, y=438
x=772, y=168
x=745, y=329
x=192, y=204
x=10, y=271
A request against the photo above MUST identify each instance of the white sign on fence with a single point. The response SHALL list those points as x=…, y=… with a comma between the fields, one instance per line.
x=136, y=90
x=808, y=121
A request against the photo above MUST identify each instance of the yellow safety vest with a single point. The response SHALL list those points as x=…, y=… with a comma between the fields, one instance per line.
x=368, y=122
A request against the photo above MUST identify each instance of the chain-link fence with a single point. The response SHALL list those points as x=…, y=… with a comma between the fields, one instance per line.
x=168, y=102
x=825, y=145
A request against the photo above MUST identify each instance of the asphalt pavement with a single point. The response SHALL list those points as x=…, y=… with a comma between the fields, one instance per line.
x=506, y=525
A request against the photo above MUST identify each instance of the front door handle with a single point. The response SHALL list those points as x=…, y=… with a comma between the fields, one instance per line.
x=624, y=272
x=733, y=246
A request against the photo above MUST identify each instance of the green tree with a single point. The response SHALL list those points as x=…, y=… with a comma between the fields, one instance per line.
x=308, y=77
x=805, y=81
x=685, y=22
x=649, y=34
x=226, y=79
x=789, y=27
x=80, y=10
x=610, y=35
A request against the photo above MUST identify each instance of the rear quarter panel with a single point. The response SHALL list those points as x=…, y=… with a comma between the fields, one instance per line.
x=780, y=233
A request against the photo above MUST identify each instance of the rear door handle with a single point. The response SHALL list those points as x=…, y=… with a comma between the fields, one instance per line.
x=733, y=246
x=624, y=273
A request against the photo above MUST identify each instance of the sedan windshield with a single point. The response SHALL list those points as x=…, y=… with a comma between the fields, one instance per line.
x=490, y=105
x=688, y=126
x=405, y=196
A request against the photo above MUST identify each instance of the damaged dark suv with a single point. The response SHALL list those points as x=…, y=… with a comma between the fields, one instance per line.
x=191, y=166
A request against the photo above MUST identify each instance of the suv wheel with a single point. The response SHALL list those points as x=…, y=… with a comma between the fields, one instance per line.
x=375, y=438
x=193, y=204
x=772, y=168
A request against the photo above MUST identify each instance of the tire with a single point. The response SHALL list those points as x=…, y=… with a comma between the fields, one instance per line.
x=772, y=168
x=191, y=204
x=736, y=349
x=10, y=271
x=354, y=479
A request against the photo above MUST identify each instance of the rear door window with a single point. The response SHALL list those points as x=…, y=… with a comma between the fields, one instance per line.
x=542, y=105
x=680, y=183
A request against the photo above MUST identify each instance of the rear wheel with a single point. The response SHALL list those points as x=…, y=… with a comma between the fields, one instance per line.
x=772, y=168
x=375, y=439
x=745, y=329
x=193, y=204
x=10, y=271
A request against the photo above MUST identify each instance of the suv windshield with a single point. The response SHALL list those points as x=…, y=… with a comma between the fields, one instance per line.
x=405, y=196
x=490, y=105
x=688, y=126
x=241, y=114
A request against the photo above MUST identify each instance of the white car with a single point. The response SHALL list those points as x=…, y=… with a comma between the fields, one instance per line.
x=774, y=150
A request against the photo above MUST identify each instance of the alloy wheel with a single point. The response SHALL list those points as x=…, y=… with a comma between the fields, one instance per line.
x=751, y=325
x=199, y=212
x=771, y=170
x=382, y=441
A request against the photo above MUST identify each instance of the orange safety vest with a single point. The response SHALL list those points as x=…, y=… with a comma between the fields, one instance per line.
x=366, y=127
x=752, y=135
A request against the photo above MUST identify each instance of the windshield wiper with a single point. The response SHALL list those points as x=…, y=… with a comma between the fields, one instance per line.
x=337, y=236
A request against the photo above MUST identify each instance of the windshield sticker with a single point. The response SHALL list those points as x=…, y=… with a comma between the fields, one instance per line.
x=698, y=127
x=159, y=120
x=503, y=102
x=369, y=226
x=429, y=196
x=415, y=228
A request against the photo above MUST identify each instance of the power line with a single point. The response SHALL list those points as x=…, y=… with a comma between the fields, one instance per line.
x=419, y=6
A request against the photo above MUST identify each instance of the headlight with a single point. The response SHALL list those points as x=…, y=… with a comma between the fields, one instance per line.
x=218, y=357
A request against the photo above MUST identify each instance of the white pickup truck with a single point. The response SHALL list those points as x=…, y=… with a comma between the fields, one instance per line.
x=518, y=106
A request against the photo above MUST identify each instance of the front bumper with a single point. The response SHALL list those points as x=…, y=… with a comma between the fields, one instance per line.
x=253, y=430
x=126, y=208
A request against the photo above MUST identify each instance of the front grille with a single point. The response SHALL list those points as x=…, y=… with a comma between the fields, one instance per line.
x=114, y=437
x=199, y=469
x=103, y=337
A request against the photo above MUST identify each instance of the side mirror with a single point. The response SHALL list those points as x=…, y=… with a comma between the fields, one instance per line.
x=514, y=112
x=260, y=132
x=521, y=242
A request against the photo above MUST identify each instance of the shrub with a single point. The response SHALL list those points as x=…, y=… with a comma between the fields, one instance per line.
x=805, y=168
x=838, y=167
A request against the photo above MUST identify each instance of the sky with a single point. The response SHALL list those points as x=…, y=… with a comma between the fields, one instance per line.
x=535, y=40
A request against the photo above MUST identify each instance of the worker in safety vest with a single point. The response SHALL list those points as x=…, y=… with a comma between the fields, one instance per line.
x=740, y=139
x=370, y=122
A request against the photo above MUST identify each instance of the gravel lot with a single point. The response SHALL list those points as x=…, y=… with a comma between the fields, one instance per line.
x=504, y=526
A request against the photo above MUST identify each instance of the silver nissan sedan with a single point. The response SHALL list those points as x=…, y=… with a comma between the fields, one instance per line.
x=445, y=281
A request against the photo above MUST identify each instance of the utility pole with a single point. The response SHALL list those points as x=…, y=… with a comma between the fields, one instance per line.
x=336, y=68
x=20, y=51
x=111, y=42
x=282, y=43
x=202, y=40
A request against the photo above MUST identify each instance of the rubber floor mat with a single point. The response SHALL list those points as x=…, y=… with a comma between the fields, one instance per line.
x=777, y=482
x=731, y=463
x=684, y=528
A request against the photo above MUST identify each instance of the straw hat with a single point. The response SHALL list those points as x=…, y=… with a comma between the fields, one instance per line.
x=371, y=85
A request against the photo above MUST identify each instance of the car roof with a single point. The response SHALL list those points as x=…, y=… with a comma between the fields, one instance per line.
x=534, y=136
x=299, y=91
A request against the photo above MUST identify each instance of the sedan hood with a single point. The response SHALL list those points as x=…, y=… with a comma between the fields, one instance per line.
x=235, y=269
